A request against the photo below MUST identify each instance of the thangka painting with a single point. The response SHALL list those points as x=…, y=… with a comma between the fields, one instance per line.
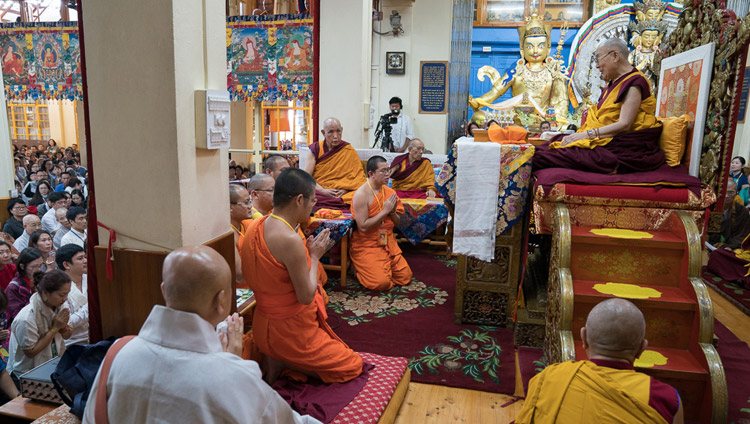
x=270, y=57
x=41, y=61
x=684, y=83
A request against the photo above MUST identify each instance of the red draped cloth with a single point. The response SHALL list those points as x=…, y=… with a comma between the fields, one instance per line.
x=729, y=267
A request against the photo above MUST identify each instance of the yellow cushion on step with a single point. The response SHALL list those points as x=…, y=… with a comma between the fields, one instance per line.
x=629, y=291
x=622, y=233
x=650, y=358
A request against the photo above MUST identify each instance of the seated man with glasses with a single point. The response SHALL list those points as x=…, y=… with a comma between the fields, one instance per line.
x=261, y=192
x=282, y=269
x=373, y=249
x=413, y=177
x=619, y=134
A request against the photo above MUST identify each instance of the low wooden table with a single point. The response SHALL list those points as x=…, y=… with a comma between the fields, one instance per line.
x=22, y=409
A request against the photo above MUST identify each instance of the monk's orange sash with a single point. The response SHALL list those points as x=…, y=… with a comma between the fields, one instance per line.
x=340, y=170
x=590, y=393
x=408, y=177
x=607, y=110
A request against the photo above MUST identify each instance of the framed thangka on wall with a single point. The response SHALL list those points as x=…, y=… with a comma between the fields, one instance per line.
x=270, y=57
x=41, y=61
x=684, y=83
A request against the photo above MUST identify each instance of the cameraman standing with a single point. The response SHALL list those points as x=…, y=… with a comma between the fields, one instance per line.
x=402, y=131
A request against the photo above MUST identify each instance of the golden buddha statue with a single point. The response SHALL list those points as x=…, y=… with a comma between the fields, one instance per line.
x=648, y=31
x=536, y=73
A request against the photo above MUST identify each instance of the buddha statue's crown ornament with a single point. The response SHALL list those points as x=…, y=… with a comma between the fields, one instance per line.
x=649, y=25
x=534, y=26
x=644, y=6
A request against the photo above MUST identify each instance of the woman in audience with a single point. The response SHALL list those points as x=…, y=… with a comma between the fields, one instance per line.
x=739, y=177
x=52, y=146
x=8, y=389
x=38, y=331
x=22, y=285
x=7, y=268
x=42, y=241
x=77, y=198
x=43, y=189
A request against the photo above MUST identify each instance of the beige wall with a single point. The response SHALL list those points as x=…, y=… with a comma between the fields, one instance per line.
x=345, y=39
x=427, y=36
x=152, y=184
x=62, y=122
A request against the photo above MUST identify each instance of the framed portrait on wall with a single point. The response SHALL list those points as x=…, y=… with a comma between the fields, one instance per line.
x=395, y=62
x=684, y=83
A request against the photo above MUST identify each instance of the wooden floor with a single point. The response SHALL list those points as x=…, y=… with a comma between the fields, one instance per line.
x=426, y=403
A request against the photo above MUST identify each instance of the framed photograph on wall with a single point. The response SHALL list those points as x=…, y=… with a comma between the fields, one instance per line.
x=395, y=63
x=684, y=83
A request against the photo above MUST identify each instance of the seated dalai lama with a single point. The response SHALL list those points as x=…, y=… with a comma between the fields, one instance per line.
x=412, y=175
x=619, y=134
x=336, y=168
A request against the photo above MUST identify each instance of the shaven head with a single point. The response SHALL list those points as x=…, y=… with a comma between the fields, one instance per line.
x=258, y=181
x=235, y=192
x=290, y=184
x=197, y=279
x=615, y=44
x=274, y=164
x=615, y=328
x=374, y=163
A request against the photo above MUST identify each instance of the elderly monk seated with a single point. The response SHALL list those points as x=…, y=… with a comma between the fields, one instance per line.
x=239, y=214
x=261, y=191
x=373, y=249
x=289, y=324
x=413, y=177
x=731, y=258
x=605, y=388
x=274, y=164
x=335, y=166
x=179, y=369
x=620, y=133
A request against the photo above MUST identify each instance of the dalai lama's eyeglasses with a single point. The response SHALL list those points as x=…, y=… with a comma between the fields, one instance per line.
x=597, y=58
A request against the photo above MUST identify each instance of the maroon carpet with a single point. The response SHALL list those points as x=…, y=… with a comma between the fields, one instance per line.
x=416, y=322
x=739, y=296
x=734, y=355
x=530, y=364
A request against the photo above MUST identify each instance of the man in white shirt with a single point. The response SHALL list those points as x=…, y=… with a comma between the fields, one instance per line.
x=403, y=130
x=49, y=220
x=72, y=260
x=78, y=221
x=31, y=223
x=179, y=369
x=61, y=216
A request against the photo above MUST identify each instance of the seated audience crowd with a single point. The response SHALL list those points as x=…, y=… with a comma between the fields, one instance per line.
x=43, y=290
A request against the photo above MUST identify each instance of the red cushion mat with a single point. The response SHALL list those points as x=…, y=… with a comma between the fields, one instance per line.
x=674, y=195
x=370, y=403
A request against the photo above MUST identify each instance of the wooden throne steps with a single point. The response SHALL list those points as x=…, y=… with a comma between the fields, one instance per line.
x=659, y=271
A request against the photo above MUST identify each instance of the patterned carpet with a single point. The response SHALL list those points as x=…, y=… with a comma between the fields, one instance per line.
x=737, y=295
x=416, y=322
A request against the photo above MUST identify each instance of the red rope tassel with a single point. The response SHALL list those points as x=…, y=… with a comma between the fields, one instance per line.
x=110, y=254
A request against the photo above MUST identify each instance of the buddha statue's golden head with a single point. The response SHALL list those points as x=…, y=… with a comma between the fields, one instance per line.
x=535, y=39
x=651, y=10
x=650, y=33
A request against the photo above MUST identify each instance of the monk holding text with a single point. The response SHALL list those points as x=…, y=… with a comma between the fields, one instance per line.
x=413, y=177
x=373, y=250
x=620, y=134
x=336, y=167
x=605, y=388
x=289, y=324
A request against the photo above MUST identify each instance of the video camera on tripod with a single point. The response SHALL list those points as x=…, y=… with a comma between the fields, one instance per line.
x=383, y=130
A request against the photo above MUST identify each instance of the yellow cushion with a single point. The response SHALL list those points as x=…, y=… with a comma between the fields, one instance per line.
x=673, y=137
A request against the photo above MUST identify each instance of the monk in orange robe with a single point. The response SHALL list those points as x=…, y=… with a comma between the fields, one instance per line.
x=413, y=177
x=605, y=388
x=335, y=166
x=373, y=249
x=289, y=324
x=239, y=214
